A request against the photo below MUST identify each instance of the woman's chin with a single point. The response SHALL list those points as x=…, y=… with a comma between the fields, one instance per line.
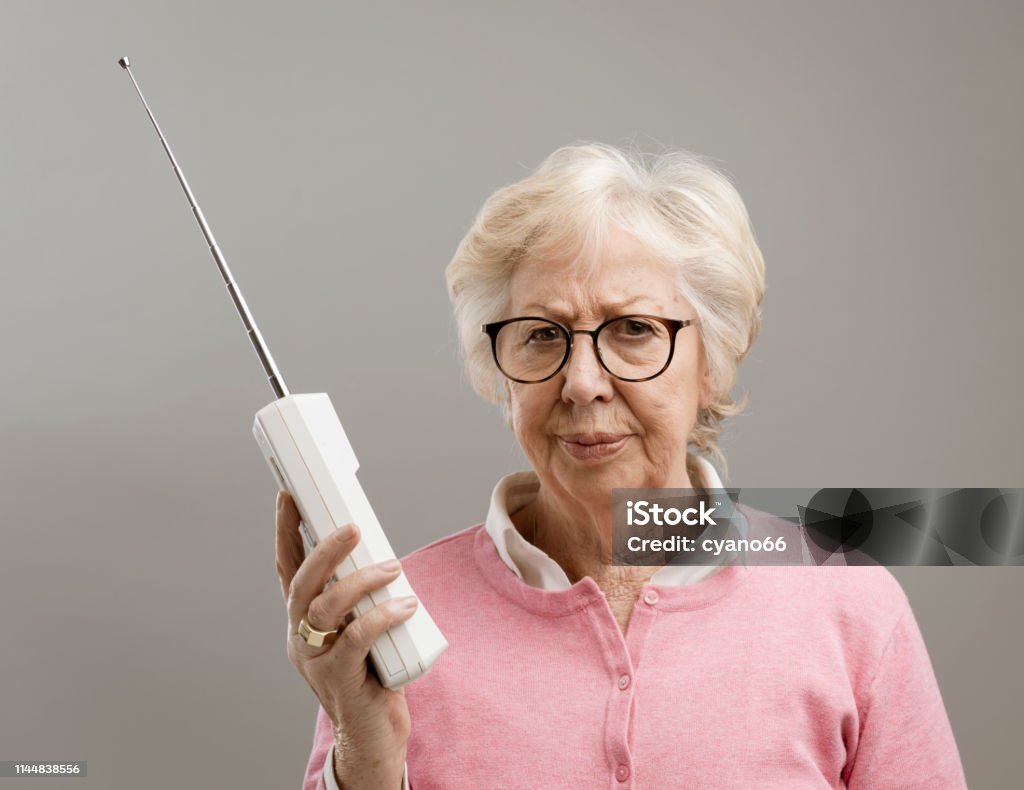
x=595, y=478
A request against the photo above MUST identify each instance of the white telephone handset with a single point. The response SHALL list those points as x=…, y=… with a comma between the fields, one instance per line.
x=307, y=450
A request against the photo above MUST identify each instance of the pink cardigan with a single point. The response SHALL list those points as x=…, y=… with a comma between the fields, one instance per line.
x=767, y=677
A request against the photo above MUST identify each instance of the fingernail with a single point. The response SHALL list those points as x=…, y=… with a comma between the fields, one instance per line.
x=408, y=602
x=390, y=566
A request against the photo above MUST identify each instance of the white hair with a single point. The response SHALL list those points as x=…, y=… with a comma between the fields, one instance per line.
x=681, y=208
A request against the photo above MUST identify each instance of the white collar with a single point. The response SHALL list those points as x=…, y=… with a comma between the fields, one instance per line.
x=534, y=566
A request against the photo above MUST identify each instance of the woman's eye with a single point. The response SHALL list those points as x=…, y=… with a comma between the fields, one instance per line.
x=545, y=335
x=636, y=328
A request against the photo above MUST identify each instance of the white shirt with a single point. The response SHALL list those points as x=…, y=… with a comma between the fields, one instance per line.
x=536, y=568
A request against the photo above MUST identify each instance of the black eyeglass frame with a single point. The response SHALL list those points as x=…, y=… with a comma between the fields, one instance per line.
x=672, y=324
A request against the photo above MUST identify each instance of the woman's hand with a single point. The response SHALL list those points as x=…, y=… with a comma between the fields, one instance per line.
x=371, y=723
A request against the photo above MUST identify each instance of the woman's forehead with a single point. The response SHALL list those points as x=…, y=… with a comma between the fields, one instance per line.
x=604, y=286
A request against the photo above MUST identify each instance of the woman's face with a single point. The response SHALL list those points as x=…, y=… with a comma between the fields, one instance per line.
x=554, y=419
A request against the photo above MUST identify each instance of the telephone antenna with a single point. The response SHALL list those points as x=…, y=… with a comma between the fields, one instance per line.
x=273, y=374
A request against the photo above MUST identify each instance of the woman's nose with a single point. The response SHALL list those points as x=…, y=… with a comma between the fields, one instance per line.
x=585, y=379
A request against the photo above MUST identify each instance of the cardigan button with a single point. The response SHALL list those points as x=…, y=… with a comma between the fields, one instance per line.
x=622, y=773
x=651, y=597
x=624, y=682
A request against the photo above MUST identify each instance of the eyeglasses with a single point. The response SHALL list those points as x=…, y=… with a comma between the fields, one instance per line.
x=631, y=347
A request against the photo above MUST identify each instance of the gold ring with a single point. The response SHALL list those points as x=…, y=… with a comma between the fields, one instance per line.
x=315, y=638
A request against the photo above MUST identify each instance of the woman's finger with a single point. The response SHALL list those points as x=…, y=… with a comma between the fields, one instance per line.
x=290, y=551
x=313, y=573
x=353, y=644
x=362, y=632
x=327, y=611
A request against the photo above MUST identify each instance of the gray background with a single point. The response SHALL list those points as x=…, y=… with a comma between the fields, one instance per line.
x=340, y=151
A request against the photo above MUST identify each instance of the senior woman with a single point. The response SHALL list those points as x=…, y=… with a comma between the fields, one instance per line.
x=605, y=301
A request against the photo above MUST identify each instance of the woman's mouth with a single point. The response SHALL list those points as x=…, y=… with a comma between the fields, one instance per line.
x=593, y=445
